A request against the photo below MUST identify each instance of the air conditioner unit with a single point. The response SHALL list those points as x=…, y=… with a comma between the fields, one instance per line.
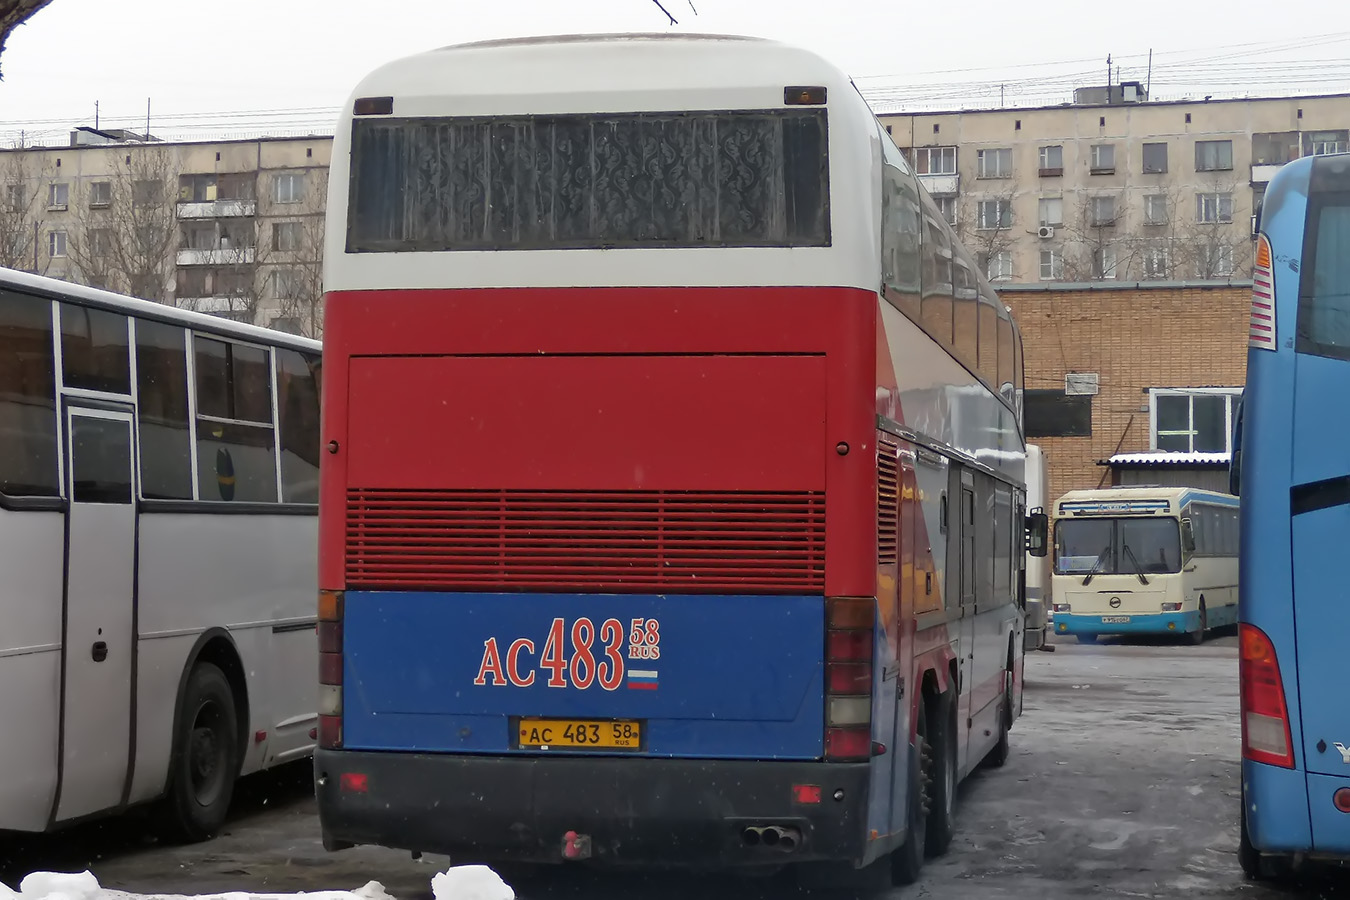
x=1080, y=384
x=1045, y=231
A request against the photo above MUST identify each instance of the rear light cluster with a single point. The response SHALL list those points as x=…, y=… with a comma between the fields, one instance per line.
x=1171, y=607
x=849, y=634
x=1061, y=607
x=1265, y=715
x=330, y=669
x=1261, y=329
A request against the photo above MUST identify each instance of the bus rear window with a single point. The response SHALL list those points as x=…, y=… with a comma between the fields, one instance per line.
x=730, y=179
x=1324, y=282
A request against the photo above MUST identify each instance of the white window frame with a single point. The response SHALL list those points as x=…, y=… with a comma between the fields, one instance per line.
x=16, y=197
x=1002, y=217
x=1105, y=261
x=1216, y=268
x=1217, y=145
x=946, y=206
x=1054, y=259
x=1157, y=262
x=1154, y=393
x=940, y=154
x=1050, y=210
x=995, y=162
x=1103, y=158
x=1153, y=205
x=97, y=202
x=55, y=189
x=999, y=266
x=57, y=240
x=295, y=192
x=1214, y=208
x=1047, y=152
x=1098, y=220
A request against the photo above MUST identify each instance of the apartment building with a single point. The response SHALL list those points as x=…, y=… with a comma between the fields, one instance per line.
x=1113, y=186
x=232, y=228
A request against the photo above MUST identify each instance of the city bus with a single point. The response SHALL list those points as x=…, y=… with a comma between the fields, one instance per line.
x=1145, y=560
x=1037, y=566
x=1291, y=471
x=159, y=513
x=673, y=510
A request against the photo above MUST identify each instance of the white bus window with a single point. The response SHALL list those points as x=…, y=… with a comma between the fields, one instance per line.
x=28, y=457
x=162, y=407
x=94, y=351
x=236, y=444
x=298, y=396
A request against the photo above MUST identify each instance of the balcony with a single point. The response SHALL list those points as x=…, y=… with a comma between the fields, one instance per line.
x=235, y=256
x=941, y=185
x=216, y=209
x=1262, y=173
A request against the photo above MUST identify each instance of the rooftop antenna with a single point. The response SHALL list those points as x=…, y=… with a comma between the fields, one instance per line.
x=96, y=115
x=147, y=118
x=1108, y=76
x=1148, y=86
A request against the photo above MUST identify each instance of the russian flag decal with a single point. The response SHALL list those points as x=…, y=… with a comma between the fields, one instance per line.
x=642, y=679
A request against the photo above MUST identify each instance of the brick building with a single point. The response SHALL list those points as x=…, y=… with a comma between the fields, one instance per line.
x=1116, y=367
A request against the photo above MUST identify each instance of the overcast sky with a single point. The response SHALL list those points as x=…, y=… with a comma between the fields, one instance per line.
x=196, y=60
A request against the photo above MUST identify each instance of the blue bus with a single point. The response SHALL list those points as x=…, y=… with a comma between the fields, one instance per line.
x=1293, y=470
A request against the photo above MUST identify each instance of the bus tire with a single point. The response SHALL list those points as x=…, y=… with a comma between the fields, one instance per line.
x=907, y=860
x=998, y=757
x=941, y=825
x=205, y=760
x=1197, y=637
x=1087, y=638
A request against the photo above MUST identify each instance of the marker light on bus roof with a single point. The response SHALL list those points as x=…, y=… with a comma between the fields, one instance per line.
x=373, y=106
x=798, y=95
x=1261, y=332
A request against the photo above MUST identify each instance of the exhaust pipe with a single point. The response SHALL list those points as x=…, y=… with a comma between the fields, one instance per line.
x=750, y=836
x=785, y=840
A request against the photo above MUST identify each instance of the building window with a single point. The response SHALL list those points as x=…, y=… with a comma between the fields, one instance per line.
x=1274, y=148
x=1104, y=263
x=1213, y=156
x=1155, y=209
x=58, y=195
x=1320, y=143
x=935, y=160
x=285, y=284
x=1051, y=161
x=100, y=242
x=1103, y=159
x=286, y=236
x=16, y=197
x=288, y=187
x=1155, y=159
x=998, y=266
x=1050, y=211
x=1192, y=420
x=992, y=214
x=1103, y=211
x=56, y=244
x=1157, y=262
x=1214, y=261
x=947, y=206
x=994, y=163
x=1052, y=413
x=100, y=195
x=1052, y=265
x=1213, y=208
x=147, y=192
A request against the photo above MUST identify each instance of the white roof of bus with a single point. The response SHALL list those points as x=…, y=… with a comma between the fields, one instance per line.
x=577, y=74
x=1140, y=493
x=61, y=290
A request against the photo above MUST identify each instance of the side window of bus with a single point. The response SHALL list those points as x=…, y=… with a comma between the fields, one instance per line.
x=936, y=277
x=1324, y=289
x=95, y=355
x=1003, y=545
x=965, y=310
x=1007, y=378
x=162, y=411
x=988, y=338
x=298, y=396
x=900, y=230
x=28, y=451
x=236, y=442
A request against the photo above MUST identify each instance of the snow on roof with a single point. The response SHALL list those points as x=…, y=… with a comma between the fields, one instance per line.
x=1166, y=458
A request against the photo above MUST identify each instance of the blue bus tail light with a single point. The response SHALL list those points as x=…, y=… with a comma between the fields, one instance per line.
x=848, y=677
x=1341, y=799
x=1265, y=716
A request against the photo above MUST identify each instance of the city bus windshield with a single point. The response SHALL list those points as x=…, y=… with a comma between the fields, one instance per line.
x=1124, y=546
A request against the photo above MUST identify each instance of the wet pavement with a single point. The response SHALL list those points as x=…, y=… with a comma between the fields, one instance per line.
x=1123, y=782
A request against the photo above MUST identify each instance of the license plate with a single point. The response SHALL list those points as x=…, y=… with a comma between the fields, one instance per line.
x=578, y=734
x=1115, y=620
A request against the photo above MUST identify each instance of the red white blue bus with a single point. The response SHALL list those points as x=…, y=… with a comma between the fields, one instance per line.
x=1291, y=469
x=673, y=505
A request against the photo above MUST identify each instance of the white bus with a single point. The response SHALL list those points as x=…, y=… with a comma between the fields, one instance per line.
x=1037, y=567
x=158, y=538
x=1141, y=559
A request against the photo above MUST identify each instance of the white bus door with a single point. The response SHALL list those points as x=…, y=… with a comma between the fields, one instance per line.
x=100, y=599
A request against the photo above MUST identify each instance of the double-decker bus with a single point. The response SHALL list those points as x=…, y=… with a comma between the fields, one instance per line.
x=673, y=507
x=158, y=506
x=1294, y=480
x=1145, y=560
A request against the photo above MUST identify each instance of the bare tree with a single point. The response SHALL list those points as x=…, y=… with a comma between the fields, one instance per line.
x=1216, y=240
x=985, y=225
x=21, y=211
x=1096, y=246
x=127, y=232
x=295, y=261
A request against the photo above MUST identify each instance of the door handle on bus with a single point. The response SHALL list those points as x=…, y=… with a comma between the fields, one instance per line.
x=100, y=651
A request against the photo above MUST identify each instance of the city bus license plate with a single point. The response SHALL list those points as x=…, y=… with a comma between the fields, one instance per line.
x=1115, y=620
x=578, y=734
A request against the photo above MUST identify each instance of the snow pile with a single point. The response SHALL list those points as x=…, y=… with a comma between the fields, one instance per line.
x=458, y=883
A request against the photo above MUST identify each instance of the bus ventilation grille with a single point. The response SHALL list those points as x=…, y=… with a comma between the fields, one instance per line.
x=888, y=500
x=624, y=542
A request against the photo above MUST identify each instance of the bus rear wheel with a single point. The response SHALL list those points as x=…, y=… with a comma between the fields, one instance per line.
x=205, y=761
x=1087, y=639
x=1198, y=636
x=942, y=788
x=998, y=757
x=907, y=861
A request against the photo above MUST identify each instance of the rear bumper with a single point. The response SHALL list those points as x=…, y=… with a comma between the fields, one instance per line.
x=1149, y=623
x=684, y=812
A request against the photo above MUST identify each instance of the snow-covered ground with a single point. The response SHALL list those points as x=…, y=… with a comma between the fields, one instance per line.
x=457, y=883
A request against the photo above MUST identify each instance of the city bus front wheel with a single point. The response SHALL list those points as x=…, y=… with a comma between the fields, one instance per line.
x=1198, y=636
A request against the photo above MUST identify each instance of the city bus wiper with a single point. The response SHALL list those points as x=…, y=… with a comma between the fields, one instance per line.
x=1138, y=569
x=1101, y=558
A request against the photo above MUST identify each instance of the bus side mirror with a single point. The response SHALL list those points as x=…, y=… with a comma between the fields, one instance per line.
x=1038, y=530
x=1187, y=536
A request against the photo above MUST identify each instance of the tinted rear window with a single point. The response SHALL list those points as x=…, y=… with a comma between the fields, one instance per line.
x=742, y=179
x=1324, y=283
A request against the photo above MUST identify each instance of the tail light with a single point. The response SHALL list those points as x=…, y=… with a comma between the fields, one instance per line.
x=330, y=669
x=1261, y=331
x=849, y=635
x=1265, y=716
